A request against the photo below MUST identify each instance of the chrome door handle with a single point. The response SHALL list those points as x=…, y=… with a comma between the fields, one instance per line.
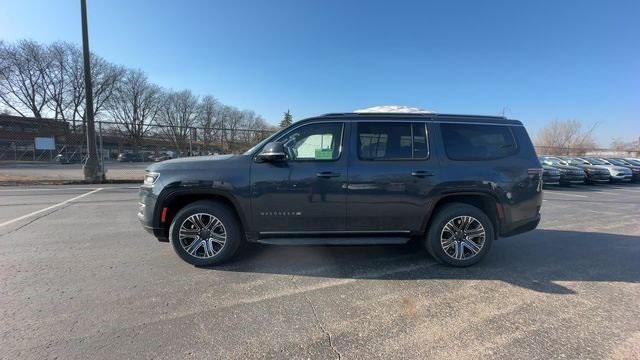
x=421, y=173
x=327, y=174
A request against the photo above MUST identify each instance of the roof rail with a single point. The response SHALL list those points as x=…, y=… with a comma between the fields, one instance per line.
x=426, y=116
x=381, y=114
x=464, y=116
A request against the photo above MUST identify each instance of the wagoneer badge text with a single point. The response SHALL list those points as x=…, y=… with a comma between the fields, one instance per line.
x=280, y=213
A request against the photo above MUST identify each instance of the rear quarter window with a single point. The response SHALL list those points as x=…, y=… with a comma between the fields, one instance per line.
x=478, y=142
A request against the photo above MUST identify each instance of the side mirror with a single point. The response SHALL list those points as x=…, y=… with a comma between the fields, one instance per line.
x=272, y=152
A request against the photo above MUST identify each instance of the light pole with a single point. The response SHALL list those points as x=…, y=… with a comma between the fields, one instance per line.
x=91, y=168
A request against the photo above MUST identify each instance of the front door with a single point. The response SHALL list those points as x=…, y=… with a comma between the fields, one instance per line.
x=391, y=175
x=307, y=192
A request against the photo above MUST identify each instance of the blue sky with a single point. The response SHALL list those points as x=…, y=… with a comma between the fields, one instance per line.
x=540, y=60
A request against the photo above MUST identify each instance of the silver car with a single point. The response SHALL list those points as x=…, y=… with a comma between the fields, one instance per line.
x=618, y=173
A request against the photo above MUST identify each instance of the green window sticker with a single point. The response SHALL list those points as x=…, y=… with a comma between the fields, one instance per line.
x=323, y=154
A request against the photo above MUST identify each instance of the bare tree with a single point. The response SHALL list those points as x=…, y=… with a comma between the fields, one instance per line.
x=105, y=78
x=178, y=111
x=75, y=75
x=207, y=120
x=564, y=137
x=134, y=106
x=254, y=128
x=233, y=121
x=58, y=79
x=620, y=145
x=48, y=81
x=22, y=79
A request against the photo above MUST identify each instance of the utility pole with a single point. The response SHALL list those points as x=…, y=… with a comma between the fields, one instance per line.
x=91, y=168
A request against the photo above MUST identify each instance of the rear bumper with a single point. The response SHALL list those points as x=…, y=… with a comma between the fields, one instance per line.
x=521, y=226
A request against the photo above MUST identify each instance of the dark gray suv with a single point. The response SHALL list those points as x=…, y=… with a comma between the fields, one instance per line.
x=454, y=182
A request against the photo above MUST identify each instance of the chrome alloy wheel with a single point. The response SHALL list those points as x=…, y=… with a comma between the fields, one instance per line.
x=202, y=235
x=462, y=237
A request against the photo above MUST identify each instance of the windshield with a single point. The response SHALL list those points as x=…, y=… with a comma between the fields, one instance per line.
x=595, y=161
x=576, y=161
x=553, y=161
x=633, y=162
x=616, y=162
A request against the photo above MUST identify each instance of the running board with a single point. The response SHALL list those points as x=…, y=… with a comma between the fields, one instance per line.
x=305, y=241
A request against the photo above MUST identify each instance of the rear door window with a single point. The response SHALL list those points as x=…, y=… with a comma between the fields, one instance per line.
x=477, y=142
x=392, y=141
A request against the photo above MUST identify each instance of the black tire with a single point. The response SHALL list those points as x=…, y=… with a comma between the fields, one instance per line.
x=442, y=217
x=224, y=215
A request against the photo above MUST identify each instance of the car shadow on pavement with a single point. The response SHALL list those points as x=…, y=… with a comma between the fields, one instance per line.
x=540, y=260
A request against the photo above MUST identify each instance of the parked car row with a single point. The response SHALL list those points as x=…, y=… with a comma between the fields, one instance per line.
x=567, y=170
x=130, y=157
x=70, y=158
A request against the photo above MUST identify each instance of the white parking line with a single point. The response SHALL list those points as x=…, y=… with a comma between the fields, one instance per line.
x=49, y=208
x=47, y=189
x=67, y=188
x=560, y=193
x=604, y=192
x=630, y=190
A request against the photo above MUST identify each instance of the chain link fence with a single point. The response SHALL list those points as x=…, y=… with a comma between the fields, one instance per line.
x=43, y=150
x=603, y=152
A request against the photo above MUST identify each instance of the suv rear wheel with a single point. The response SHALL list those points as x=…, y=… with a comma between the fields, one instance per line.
x=459, y=235
x=205, y=233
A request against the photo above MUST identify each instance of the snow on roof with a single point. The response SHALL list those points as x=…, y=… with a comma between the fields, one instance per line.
x=393, y=109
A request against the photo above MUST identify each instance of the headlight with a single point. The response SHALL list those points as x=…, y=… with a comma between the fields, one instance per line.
x=150, y=178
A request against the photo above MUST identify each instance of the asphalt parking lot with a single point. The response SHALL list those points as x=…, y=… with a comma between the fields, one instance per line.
x=52, y=171
x=81, y=279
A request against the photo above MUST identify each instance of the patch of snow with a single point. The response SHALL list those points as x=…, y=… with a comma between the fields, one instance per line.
x=393, y=109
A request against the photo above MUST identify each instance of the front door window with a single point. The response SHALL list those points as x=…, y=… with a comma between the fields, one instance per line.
x=314, y=142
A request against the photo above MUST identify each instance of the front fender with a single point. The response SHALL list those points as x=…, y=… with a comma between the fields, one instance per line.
x=201, y=191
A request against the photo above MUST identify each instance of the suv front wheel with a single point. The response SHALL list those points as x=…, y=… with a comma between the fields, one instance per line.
x=205, y=233
x=459, y=235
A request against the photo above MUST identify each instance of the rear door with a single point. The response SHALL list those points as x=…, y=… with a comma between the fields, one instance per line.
x=391, y=173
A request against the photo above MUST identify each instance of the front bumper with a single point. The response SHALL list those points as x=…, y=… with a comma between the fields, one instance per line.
x=147, y=214
x=551, y=179
x=598, y=177
x=625, y=177
x=571, y=178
